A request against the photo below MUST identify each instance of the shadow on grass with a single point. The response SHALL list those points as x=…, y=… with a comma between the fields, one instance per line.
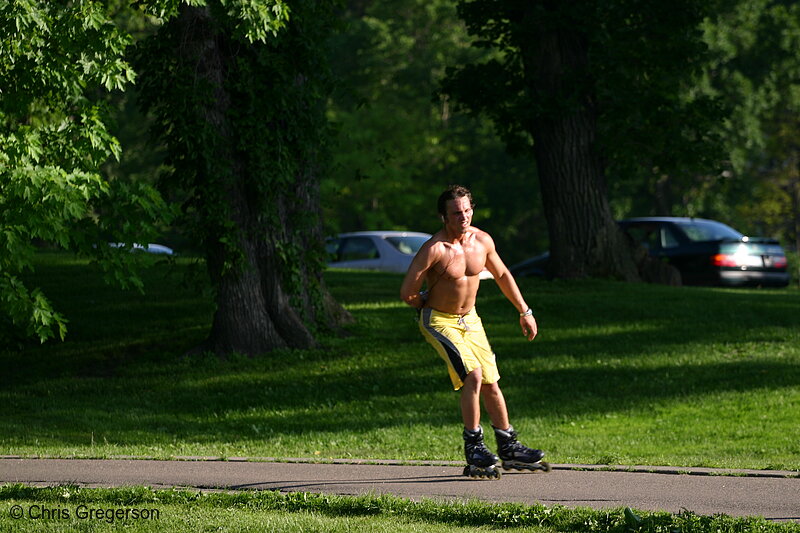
x=233, y=407
x=130, y=382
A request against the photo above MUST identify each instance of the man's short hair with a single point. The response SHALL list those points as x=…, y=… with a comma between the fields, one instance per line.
x=453, y=192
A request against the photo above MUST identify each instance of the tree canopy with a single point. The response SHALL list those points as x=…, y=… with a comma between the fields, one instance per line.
x=58, y=63
x=55, y=62
x=399, y=142
x=267, y=113
x=247, y=138
x=593, y=89
x=754, y=68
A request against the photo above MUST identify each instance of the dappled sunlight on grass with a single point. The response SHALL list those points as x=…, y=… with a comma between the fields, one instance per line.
x=364, y=306
x=623, y=372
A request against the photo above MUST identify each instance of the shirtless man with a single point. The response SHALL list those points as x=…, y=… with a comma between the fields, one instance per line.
x=450, y=263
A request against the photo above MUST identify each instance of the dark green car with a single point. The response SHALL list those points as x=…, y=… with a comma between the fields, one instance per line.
x=705, y=252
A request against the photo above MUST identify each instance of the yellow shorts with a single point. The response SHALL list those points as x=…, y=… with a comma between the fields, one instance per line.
x=461, y=342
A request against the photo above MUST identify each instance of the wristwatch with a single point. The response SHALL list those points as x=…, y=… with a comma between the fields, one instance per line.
x=529, y=312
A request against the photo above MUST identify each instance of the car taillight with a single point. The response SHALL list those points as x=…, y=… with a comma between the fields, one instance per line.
x=724, y=260
x=744, y=261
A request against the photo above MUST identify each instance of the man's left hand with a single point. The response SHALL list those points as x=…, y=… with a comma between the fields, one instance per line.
x=529, y=327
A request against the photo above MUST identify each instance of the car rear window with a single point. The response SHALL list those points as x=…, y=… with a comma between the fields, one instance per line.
x=752, y=248
x=409, y=244
x=707, y=230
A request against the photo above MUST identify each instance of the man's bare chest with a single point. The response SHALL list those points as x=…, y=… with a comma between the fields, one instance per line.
x=459, y=261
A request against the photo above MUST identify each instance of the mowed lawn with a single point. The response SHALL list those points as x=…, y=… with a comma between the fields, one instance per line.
x=619, y=374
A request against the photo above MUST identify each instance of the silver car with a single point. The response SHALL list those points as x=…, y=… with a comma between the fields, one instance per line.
x=386, y=251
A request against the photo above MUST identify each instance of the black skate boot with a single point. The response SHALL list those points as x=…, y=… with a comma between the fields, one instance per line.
x=515, y=455
x=480, y=461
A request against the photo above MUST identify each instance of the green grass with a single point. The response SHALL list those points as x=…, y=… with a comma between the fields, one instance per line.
x=98, y=510
x=620, y=373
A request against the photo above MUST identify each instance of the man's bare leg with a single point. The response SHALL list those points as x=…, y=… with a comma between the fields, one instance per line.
x=513, y=454
x=495, y=404
x=480, y=460
x=470, y=399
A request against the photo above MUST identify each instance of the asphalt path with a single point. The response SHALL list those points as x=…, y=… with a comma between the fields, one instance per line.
x=774, y=495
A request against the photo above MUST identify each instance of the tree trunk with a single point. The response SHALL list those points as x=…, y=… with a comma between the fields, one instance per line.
x=584, y=238
x=794, y=193
x=254, y=313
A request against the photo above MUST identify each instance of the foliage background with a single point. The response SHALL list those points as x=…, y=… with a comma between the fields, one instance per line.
x=399, y=143
x=70, y=133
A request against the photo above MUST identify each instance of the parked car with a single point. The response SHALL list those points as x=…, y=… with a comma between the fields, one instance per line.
x=706, y=252
x=385, y=251
x=150, y=248
x=531, y=267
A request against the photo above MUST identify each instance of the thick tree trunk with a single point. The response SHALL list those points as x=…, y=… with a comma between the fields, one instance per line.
x=241, y=322
x=584, y=238
x=794, y=192
x=254, y=314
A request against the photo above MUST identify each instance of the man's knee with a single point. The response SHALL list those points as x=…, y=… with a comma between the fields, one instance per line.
x=475, y=375
x=491, y=389
x=474, y=378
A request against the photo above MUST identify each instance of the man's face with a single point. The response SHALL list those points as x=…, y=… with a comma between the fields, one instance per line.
x=459, y=214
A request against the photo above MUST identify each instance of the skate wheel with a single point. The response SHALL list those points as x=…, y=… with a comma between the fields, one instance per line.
x=476, y=472
x=543, y=466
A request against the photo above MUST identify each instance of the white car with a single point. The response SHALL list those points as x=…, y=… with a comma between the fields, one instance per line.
x=385, y=251
x=150, y=248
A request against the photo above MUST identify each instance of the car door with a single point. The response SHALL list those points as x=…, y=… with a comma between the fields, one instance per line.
x=356, y=252
x=648, y=234
x=690, y=257
x=661, y=241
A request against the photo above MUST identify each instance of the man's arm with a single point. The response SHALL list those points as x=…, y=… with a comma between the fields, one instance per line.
x=415, y=277
x=509, y=288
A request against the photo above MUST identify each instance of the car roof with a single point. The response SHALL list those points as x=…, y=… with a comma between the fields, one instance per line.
x=387, y=233
x=669, y=219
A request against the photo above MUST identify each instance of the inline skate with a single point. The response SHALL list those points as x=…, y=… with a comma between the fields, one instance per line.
x=481, y=463
x=514, y=455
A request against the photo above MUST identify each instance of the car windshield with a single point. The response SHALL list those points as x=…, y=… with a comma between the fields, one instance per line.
x=708, y=230
x=409, y=244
